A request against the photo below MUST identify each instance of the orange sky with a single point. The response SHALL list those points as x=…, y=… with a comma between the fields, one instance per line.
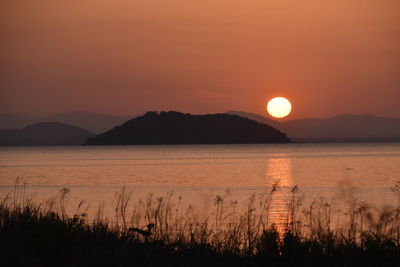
x=202, y=56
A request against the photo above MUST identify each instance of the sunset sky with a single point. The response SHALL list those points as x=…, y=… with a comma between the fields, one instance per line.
x=202, y=56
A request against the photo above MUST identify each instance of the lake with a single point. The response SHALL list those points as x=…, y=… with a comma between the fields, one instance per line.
x=198, y=173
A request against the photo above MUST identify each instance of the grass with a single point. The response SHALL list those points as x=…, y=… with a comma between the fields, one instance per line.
x=160, y=232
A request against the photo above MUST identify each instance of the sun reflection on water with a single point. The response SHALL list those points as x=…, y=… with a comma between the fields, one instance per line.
x=279, y=170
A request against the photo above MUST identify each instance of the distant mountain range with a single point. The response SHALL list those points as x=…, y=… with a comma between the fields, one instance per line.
x=93, y=122
x=178, y=128
x=44, y=134
x=346, y=127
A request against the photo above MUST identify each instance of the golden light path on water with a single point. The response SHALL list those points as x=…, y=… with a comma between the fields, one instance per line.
x=279, y=170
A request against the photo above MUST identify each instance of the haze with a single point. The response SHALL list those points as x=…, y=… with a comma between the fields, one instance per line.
x=130, y=56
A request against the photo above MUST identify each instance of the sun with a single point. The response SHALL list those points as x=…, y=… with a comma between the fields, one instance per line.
x=279, y=107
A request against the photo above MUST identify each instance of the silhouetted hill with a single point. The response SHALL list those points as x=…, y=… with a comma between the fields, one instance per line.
x=94, y=122
x=255, y=117
x=178, y=128
x=44, y=134
x=346, y=127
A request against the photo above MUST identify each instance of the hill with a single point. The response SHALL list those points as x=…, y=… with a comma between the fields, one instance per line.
x=179, y=128
x=255, y=117
x=44, y=134
x=346, y=127
x=93, y=122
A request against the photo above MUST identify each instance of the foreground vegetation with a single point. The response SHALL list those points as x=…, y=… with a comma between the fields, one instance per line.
x=158, y=232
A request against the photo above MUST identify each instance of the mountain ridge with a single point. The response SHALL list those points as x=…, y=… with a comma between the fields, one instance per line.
x=350, y=127
x=91, y=121
x=44, y=134
x=360, y=127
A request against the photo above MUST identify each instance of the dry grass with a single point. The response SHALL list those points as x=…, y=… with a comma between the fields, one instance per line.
x=162, y=232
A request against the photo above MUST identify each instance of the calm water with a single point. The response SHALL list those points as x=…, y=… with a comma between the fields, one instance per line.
x=198, y=173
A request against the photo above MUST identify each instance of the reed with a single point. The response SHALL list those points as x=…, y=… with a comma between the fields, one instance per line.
x=161, y=232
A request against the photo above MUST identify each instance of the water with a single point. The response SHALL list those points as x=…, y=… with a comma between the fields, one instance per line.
x=198, y=173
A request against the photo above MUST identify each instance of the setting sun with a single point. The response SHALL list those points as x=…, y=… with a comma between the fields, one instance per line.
x=279, y=107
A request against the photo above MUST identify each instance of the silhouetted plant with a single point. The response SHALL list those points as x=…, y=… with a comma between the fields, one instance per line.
x=160, y=232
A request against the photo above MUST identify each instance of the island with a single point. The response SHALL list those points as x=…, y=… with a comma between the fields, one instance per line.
x=172, y=128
